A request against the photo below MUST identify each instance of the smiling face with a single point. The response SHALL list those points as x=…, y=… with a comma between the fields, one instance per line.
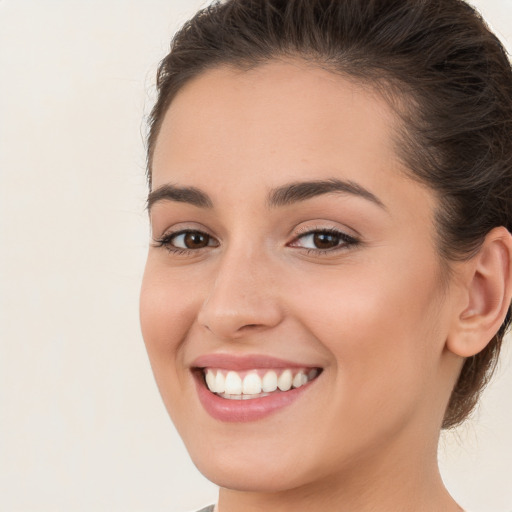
x=287, y=240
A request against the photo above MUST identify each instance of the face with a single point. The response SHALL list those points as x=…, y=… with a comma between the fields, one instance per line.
x=289, y=249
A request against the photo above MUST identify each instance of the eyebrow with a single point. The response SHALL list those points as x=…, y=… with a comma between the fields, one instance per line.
x=283, y=195
x=302, y=190
x=190, y=195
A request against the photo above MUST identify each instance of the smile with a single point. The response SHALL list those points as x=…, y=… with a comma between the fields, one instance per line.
x=249, y=388
x=251, y=384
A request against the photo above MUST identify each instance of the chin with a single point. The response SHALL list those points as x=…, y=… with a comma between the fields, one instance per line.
x=264, y=477
x=255, y=465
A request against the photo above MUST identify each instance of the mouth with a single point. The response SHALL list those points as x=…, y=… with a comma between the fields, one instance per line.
x=256, y=383
x=249, y=388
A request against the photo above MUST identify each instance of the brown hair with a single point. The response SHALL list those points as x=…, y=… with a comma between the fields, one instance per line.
x=437, y=55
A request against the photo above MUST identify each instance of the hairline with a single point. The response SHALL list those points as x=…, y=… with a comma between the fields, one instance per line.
x=398, y=95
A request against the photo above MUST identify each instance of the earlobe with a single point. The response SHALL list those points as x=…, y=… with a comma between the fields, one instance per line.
x=487, y=295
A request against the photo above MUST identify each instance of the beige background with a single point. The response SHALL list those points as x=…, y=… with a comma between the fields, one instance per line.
x=82, y=427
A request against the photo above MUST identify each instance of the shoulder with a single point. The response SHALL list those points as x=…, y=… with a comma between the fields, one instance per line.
x=210, y=508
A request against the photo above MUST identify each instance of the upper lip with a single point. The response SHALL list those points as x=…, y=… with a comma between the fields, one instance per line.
x=245, y=362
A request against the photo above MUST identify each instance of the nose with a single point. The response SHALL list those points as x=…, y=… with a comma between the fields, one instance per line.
x=241, y=298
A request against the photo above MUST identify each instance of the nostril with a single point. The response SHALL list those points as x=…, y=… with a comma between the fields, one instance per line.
x=239, y=330
x=227, y=316
x=250, y=327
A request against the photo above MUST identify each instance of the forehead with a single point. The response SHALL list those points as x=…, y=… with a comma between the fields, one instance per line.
x=279, y=122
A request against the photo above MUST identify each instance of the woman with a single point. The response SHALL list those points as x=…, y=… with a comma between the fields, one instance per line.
x=330, y=275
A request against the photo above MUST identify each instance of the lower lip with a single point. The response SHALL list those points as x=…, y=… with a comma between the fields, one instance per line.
x=224, y=409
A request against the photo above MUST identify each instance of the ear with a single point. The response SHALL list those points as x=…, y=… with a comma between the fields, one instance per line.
x=487, y=292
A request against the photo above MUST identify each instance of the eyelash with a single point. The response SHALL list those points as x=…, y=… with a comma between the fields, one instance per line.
x=345, y=241
x=166, y=242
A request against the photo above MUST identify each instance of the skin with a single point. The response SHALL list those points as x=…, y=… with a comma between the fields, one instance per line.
x=375, y=315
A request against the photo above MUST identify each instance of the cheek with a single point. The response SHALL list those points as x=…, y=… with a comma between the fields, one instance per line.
x=381, y=323
x=166, y=305
x=165, y=317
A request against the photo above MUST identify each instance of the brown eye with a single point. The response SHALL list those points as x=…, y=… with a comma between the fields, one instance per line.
x=195, y=240
x=326, y=240
x=186, y=241
x=322, y=241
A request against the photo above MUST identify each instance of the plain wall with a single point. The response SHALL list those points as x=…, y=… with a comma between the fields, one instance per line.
x=82, y=427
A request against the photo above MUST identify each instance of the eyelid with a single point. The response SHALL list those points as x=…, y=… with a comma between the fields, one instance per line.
x=172, y=228
x=346, y=240
x=326, y=225
x=167, y=237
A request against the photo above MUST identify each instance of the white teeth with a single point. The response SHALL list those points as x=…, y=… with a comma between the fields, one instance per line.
x=299, y=380
x=284, y=382
x=210, y=380
x=231, y=385
x=251, y=384
x=220, y=383
x=269, y=382
x=242, y=397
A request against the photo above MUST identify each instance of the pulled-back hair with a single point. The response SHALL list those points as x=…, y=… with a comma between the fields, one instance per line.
x=452, y=85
